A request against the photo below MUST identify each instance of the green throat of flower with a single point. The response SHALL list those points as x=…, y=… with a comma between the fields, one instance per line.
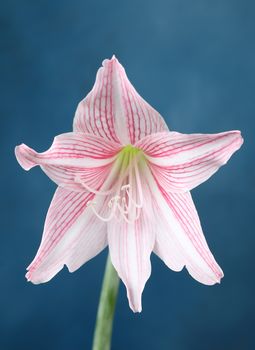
x=130, y=155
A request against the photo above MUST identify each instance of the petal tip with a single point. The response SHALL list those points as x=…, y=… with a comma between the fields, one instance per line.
x=111, y=62
x=240, y=139
x=237, y=136
x=217, y=277
x=134, y=299
x=237, y=140
x=24, y=156
x=37, y=276
x=220, y=277
x=28, y=277
x=135, y=308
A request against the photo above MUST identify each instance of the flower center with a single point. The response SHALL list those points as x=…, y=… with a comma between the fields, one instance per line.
x=122, y=190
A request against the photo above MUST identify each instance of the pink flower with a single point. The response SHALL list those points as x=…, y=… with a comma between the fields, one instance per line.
x=124, y=180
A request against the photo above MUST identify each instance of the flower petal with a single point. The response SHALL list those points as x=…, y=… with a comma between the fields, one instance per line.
x=130, y=247
x=114, y=110
x=181, y=162
x=72, y=235
x=75, y=161
x=179, y=238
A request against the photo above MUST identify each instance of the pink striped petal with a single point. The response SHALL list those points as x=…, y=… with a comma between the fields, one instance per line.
x=130, y=246
x=181, y=241
x=74, y=159
x=181, y=162
x=72, y=235
x=179, y=238
x=114, y=110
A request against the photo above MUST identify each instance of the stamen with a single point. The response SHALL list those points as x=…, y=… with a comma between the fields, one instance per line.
x=124, y=187
x=114, y=172
x=92, y=190
x=114, y=200
x=112, y=213
x=131, y=200
x=124, y=215
x=139, y=185
x=128, y=187
x=124, y=205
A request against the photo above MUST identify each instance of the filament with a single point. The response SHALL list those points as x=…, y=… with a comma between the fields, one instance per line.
x=128, y=199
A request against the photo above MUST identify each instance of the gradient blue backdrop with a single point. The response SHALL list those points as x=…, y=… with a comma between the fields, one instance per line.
x=194, y=62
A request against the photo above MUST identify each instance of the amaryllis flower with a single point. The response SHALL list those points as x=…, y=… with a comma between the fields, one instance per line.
x=124, y=180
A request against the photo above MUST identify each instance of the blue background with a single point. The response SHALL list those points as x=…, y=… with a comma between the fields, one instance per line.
x=194, y=61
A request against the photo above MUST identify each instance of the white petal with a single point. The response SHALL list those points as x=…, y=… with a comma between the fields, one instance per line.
x=114, y=110
x=72, y=235
x=179, y=238
x=73, y=159
x=130, y=247
x=181, y=162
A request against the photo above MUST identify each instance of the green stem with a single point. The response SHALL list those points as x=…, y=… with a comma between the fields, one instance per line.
x=106, y=308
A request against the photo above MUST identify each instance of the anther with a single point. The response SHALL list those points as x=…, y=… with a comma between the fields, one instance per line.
x=125, y=187
x=113, y=200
